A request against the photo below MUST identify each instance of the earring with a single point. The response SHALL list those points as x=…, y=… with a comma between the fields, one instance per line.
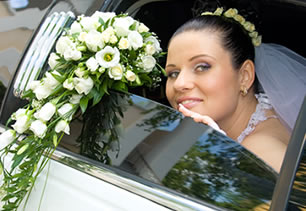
x=244, y=91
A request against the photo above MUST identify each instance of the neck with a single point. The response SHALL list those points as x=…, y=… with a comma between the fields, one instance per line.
x=236, y=123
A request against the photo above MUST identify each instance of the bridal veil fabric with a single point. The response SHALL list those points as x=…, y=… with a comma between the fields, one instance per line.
x=282, y=75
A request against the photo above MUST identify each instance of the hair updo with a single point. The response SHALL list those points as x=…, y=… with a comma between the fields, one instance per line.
x=234, y=37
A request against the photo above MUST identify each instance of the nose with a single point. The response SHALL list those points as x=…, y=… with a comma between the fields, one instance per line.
x=184, y=81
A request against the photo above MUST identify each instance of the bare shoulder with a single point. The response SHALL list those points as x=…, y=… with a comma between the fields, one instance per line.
x=267, y=147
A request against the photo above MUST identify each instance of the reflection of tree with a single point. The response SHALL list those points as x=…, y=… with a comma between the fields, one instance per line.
x=162, y=118
x=298, y=194
x=100, y=132
x=221, y=172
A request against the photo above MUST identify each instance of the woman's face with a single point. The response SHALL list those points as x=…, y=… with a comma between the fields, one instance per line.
x=201, y=75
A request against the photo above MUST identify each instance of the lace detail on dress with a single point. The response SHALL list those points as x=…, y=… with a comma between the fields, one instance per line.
x=258, y=116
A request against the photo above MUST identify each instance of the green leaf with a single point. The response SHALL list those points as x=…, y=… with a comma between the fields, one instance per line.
x=104, y=86
x=17, y=160
x=101, y=21
x=59, y=78
x=84, y=103
x=120, y=86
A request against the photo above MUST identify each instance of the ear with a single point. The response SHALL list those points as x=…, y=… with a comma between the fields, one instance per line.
x=247, y=74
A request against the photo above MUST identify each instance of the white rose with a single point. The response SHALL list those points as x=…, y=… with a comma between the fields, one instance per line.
x=142, y=28
x=150, y=49
x=82, y=36
x=148, y=63
x=104, y=15
x=64, y=109
x=89, y=23
x=22, y=123
x=116, y=72
x=152, y=40
x=68, y=84
x=53, y=60
x=79, y=72
x=83, y=85
x=107, y=33
x=46, y=112
x=75, y=27
x=34, y=84
x=19, y=112
x=42, y=91
x=113, y=39
x=72, y=54
x=108, y=57
x=122, y=25
x=93, y=40
x=135, y=40
x=39, y=128
x=75, y=99
x=130, y=75
x=62, y=125
x=92, y=64
x=6, y=138
x=123, y=43
x=63, y=44
x=50, y=81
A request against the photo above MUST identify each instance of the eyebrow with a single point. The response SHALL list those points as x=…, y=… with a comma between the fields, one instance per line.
x=200, y=55
x=192, y=58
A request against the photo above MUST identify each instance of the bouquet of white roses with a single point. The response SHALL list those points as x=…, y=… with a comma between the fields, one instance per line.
x=97, y=53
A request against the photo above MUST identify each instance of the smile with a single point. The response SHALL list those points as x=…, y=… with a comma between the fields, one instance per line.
x=189, y=103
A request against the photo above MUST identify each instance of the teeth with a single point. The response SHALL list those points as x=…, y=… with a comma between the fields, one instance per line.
x=186, y=101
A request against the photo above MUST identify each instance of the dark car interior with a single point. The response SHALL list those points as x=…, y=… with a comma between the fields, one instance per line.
x=282, y=22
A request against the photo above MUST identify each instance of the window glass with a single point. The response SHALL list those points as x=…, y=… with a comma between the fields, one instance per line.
x=155, y=142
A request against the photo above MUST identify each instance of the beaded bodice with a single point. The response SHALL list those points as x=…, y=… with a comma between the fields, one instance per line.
x=258, y=116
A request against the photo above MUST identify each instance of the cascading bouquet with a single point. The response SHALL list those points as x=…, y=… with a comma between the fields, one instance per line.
x=97, y=53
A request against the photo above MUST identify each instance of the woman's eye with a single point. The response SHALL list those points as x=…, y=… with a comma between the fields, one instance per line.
x=173, y=74
x=202, y=67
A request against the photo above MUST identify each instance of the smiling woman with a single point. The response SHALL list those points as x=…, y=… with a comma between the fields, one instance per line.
x=211, y=78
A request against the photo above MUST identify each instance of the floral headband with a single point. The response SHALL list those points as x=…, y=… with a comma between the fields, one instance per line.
x=248, y=26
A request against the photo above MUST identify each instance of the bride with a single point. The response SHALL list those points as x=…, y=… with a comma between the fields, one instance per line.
x=212, y=77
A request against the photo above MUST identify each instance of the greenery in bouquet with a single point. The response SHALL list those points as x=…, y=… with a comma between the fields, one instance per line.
x=97, y=53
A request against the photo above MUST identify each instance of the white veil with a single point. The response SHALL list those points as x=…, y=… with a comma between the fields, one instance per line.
x=282, y=75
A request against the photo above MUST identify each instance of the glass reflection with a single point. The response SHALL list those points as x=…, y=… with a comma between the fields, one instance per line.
x=157, y=143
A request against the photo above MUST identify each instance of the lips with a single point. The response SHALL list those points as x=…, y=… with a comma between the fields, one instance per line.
x=189, y=102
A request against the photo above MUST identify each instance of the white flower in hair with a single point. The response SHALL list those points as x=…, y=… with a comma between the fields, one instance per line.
x=108, y=57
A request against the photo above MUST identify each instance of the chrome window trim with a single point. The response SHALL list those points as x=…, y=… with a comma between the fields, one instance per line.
x=126, y=182
x=40, y=49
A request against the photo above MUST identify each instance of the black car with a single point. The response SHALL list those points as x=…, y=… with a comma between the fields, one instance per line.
x=144, y=147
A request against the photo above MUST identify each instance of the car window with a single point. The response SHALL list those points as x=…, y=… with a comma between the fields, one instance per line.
x=154, y=142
